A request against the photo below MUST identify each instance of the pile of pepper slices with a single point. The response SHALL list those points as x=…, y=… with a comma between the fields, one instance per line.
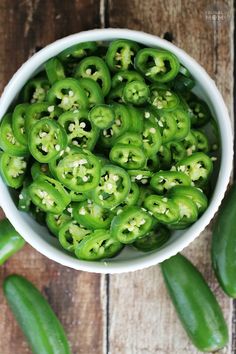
x=108, y=145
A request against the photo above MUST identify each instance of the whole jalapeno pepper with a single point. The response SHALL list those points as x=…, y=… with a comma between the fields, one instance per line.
x=35, y=90
x=36, y=111
x=38, y=169
x=202, y=142
x=151, y=137
x=80, y=130
x=190, y=143
x=140, y=176
x=136, y=93
x=130, y=138
x=188, y=211
x=157, y=65
x=18, y=123
x=120, y=54
x=68, y=95
x=119, y=127
x=125, y=76
x=177, y=151
x=193, y=193
x=92, y=90
x=56, y=221
x=198, y=167
x=10, y=241
x=164, y=209
x=55, y=70
x=71, y=234
x=96, y=69
x=113, y=187
x=154, y=240
x=102, y=116
x=78, y=170
x=47, y=139
x=136, y=119
x=131, y=224
x=162, y=181
x=12, y=169
x=129, y=157
x=8, y=141
x=77, y=52
x=206, y=326
x=49, y=195
x=92, y=215
x=163, y=98
x=98, y=245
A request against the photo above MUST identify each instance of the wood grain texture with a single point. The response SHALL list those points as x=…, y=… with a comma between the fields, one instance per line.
x=141, y=318
x=78, y=298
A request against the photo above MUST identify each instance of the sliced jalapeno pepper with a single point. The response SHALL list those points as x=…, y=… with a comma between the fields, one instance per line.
x=12, y=169
x=177, y=151
x=116, y=94
x=8, y=141
x=56, y=221
x=202, y=141
x=120, y=54
x=98, y=245
x=163, y=98
x=125, y=76
x=163, y=181
x=102, y=116
x=68, y=95
x=151, y=138
x=155, y=239
x=113, y=187
x=35, y=90
x=24, y=202
x=49, y=195
x=144, y=193
x=130, y=225
x=36, y=111
x=132, y=197
x=55, y=70
x=71, y=234
x=130, y=138
x=79, y=170
x=164, y=209
x=77, y=52
x=165, y=158
x=157, y=65
x=136, y=93
x=187, y=210
x=183, y=123
x=140, y=176
x=46, y=140
x=183, y=81
x=92, y=90
x=78, y=196
x=129, y=157
x=190, y=143
x=18, y=123
x=200, y=111
x=136, y=119
x=96, y=69
x=80, y=130
x=198, y=167
x=38, y=169
x=167, y=125
x=153, y=163
x=92, y=215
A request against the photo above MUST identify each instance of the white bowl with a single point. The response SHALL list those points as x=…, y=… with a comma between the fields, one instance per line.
x=129, y=260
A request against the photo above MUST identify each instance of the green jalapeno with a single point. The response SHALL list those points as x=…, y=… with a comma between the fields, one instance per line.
x=154, y=240
x=167, y=125
x=49, y=195
x=71, y=234
x=129, y=157
x=46, y=140
x=177, y=151
x=38, y=169
x=96, y=69
x=201, y=114
x=92, y=215
x=165, y=158
x=140, y=176
x=202, y=142
x=131, y=224
x=92, y=90
x=132, y=197
x=10, y=241
x=190, y=143
x=80, y=130
x=119, y=127
x=136, y=93
x=136, y=119
x=164, y=209
x=55, y=70
x=183, y=123
x=56, y=221
x=144, y=192
x=130, y=138
x=35, y=90
x=24, y=203
x=18, y=122
x=151, y=137
x=188, y=212
x=68, y=95
x=116, y=94
x=78, y=196
x=193, y=193
x=98, y=245
x=163, y=98
x=113, y=187
x=102, y=116
x=163, y=181
x=157, y=65
x=8, y=140
x=120, y=54
x=39, y=110
x=183, y=81
x=153, y=163
x=78, y=170
x=198, y=167
x=12, y=169
x=77, y=52
x=125, y=76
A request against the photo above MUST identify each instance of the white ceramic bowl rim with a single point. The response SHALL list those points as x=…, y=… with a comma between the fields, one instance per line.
x=48, y=250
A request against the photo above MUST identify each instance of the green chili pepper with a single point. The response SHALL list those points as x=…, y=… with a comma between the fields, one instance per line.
x=18, y=123
x=154, y=240
x=163, y=98
x=10, y=241
x=56, y=221
x=36, y=111
x=164, y=209
x=136, y=93
x=77, y=52
x=125, y=76
x=71, y=234
x=35, y=90
x=151, y=137
x=120, y=54
x=127, y=156
x=162, y=181
x=92, y=90
x=12, y=169
x=102, y=116
x=55, y=70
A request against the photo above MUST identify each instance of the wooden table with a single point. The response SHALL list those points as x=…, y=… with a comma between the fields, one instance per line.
x=129, y=313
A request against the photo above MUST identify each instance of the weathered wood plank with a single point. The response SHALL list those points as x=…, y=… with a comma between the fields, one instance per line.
x=26, y=26
x=141, y=317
